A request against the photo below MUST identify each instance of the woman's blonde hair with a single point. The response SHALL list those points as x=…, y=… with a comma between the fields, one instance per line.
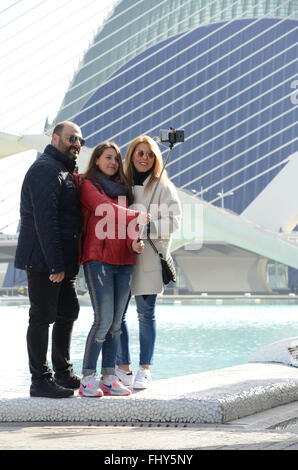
x=158, y=162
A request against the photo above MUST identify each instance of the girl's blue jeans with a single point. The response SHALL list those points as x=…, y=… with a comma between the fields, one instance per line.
x=109, y=289
x=147, y=332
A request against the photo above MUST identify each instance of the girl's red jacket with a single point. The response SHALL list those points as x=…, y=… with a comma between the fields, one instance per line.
x=109, y=228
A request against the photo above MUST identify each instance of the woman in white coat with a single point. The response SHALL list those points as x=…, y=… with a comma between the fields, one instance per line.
x=143, y=165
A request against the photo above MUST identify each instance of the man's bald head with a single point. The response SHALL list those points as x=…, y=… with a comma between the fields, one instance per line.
x=61, y=125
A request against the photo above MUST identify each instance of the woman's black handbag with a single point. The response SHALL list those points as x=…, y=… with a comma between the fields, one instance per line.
x=167, y=265
x=168, y=269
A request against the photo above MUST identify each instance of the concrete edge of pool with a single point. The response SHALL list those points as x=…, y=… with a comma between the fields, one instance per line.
x=213, y=397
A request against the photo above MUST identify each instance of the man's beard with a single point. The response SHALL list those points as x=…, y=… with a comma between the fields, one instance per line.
x=66, y=150
x=71, y=155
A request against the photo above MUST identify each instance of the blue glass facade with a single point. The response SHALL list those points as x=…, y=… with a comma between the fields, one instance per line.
x=136, y=25
x=228, y=85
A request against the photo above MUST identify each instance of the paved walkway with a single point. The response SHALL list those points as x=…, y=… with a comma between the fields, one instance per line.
x=250, y=434
x=248, y=407
x=214, y=397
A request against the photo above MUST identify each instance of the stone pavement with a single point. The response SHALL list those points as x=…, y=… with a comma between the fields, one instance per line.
x=252, y=433
x=247, y=407
x=213, y=397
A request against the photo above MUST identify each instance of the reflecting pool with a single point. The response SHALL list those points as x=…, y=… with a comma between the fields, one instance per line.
x=192, y=337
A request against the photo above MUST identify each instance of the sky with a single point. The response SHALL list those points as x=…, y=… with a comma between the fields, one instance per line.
x=41, y=45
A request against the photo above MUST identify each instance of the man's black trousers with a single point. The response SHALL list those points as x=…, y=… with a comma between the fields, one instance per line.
x=50, y=303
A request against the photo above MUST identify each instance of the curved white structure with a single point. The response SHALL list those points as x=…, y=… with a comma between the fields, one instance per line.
x=284, y=352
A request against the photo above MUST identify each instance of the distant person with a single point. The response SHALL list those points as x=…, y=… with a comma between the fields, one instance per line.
x=143, y=165
x=110, y=242
x=48, y=250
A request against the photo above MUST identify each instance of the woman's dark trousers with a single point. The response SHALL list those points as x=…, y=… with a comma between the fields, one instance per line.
x=50, y=303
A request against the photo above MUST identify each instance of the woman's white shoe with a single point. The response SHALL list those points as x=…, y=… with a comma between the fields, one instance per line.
x=143, y=379
x=126, y=377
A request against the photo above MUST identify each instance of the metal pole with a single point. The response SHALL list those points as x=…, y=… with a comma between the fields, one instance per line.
x=159, y=178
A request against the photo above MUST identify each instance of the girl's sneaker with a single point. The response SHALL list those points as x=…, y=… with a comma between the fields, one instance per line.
x=126, y=377
x=90, y=387
x=111, y=385
x=143, y=379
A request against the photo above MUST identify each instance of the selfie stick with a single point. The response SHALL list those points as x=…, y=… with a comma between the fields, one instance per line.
x=171, y=145
x=159, y=178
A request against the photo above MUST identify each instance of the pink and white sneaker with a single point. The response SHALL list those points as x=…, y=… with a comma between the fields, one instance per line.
x=90, y=387
x=111, y=385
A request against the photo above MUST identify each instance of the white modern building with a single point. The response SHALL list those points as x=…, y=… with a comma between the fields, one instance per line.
x=226, y=72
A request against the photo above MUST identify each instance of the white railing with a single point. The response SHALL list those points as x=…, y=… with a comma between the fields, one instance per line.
x=8, y=236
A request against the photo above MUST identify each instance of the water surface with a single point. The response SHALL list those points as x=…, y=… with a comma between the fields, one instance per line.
x=191, y=337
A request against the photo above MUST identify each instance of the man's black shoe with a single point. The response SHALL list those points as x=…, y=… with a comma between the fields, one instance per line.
x=48, y=388
x=72, y=382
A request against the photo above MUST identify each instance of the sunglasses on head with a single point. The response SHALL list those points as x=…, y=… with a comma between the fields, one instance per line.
x=141, y=153
x=73, y=138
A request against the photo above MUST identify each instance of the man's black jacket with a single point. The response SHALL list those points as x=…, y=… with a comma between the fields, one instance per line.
x=50, y=216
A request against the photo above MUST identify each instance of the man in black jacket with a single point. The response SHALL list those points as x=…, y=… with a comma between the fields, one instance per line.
x=48, y=251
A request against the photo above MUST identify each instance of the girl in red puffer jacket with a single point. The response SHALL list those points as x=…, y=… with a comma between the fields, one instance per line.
x=108, y=255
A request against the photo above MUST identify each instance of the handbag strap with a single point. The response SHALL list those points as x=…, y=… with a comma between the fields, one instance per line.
x=154, y=247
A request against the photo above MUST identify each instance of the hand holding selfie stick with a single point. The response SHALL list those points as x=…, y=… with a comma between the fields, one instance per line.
x=172, y=136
